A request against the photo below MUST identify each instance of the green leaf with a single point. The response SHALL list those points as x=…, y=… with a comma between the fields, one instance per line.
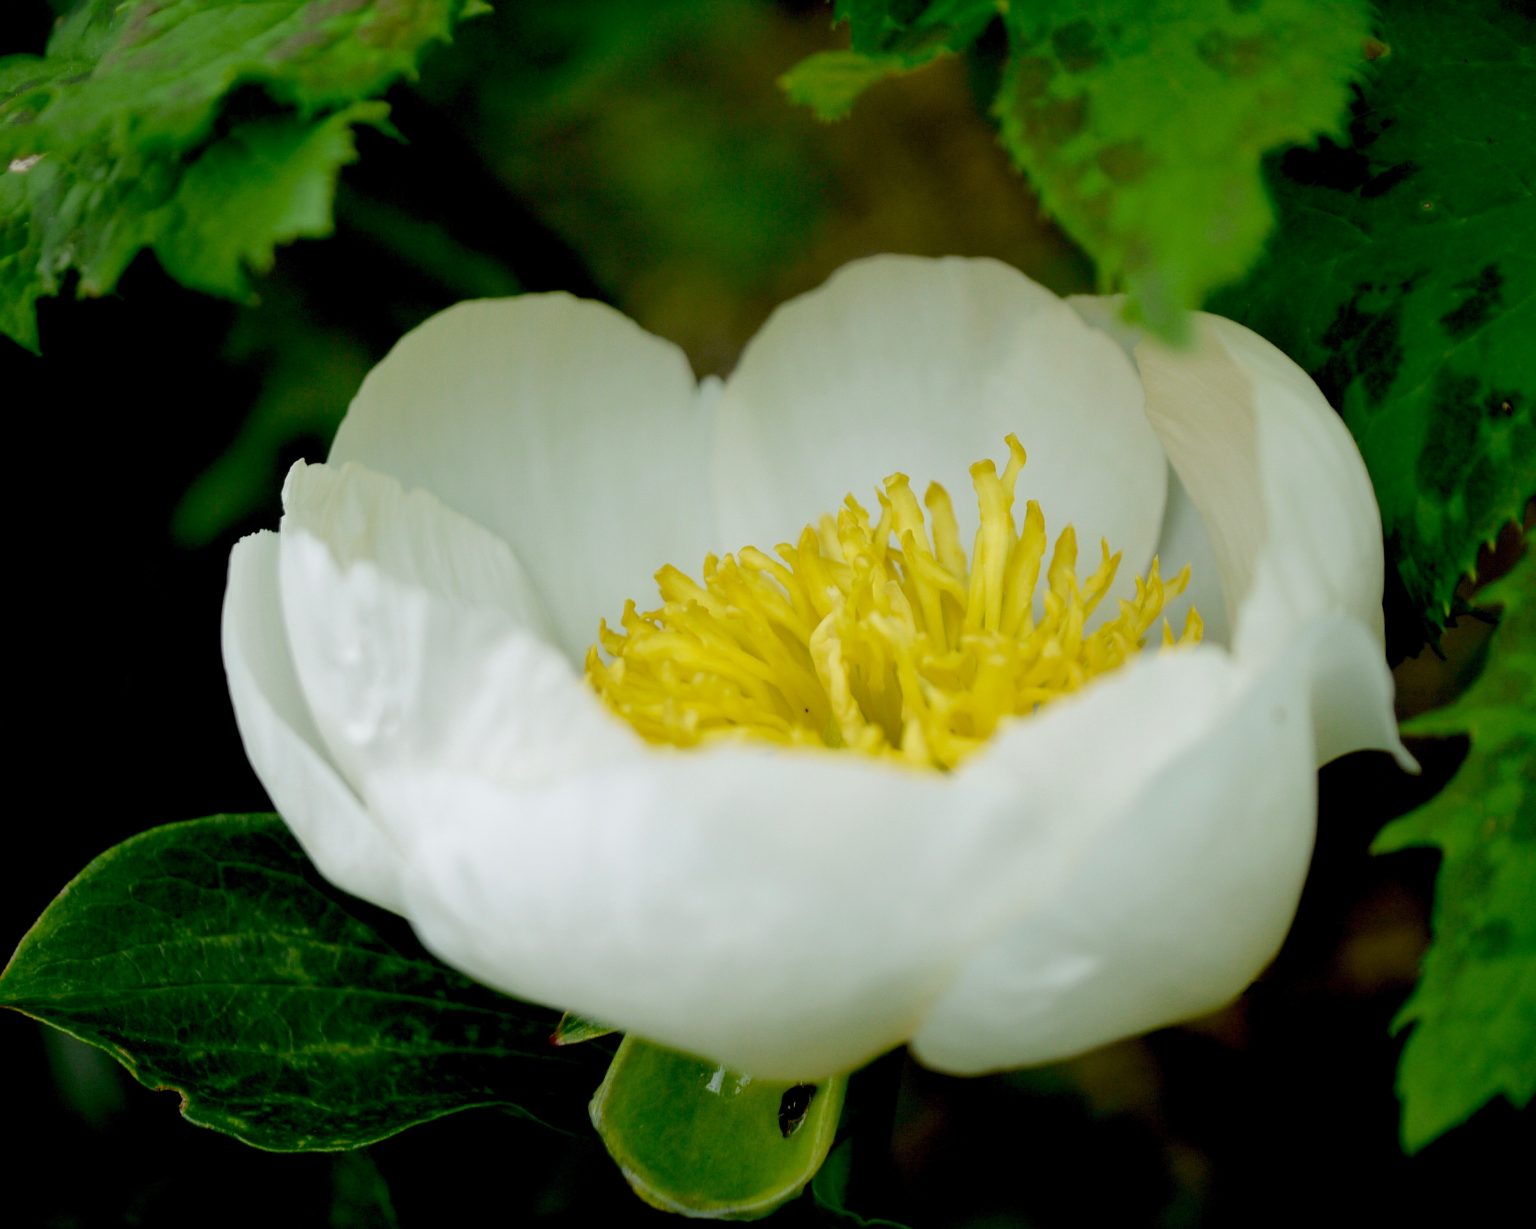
x=210, y=130
x=210, y=958
x=829, y=82
x=888, y=38
x=915, y=28
x=268, y=182
x=695, y=1137
x=1474, y=1011
x=1142, y=127
x=1403, y=278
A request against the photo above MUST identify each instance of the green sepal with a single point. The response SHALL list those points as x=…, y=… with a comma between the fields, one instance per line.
x=697, y=1138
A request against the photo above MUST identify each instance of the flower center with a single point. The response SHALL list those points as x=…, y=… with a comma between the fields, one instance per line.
x=877, y=635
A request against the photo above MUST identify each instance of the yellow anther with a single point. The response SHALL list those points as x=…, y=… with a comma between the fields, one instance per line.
x=879, y=635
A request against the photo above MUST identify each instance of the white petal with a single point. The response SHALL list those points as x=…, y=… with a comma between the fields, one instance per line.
x=1283, y=493
x=1185, y=541
x=1351, y=691
x=281, y=740
x=922, y=367
x=410, y=629
x=368, y=517
x=1106, y=312
x=1184, y=876
x=559, y=425
x=1274, y=473
x=1184, y=538
x=796, y=913
x=792, y=913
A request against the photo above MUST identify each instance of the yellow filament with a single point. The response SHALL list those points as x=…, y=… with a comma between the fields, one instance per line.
x=878, y=636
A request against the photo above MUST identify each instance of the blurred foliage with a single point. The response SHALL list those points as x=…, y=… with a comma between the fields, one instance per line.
x=1403, y=277
x=641, y=154
x=208, y=130
x=829, y=1190
x=307, y=368
x=887, y=39
x=360, y=1196
x=1140, y=126
x=1474, y=1011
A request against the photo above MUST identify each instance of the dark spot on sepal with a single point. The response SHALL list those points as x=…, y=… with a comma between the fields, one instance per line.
x=793, y=1107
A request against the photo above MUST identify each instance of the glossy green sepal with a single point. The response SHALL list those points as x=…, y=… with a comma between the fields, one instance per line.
x=696, y=1138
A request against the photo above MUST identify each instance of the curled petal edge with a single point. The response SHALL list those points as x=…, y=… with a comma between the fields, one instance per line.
x=281, y=740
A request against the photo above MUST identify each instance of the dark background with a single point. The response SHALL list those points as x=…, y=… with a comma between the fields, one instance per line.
x=640, y=154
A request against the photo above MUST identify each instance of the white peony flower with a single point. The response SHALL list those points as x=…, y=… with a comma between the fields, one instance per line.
x=406, y=661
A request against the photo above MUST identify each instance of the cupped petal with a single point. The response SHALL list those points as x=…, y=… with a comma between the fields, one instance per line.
x=902, y=364
x=1284, y=495
x=1180, y=887
x=1185, y=542
x=413, y=631
x=1351, y=692
x=367, y=517
x=557, y=424
x=281, y=739
x=793, y=912
x=1275, y=475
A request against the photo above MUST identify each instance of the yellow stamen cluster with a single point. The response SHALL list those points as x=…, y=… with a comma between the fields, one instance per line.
x=877, y=635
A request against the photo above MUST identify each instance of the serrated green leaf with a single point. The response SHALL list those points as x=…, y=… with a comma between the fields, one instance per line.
x=695, y=1137
x=829, y=82
x=872, y=22
x=121, y=138
x=151, y=73
x=914, y=27
x=888, y=38
x=1403, y=277
x=1474, y=1010
x=1142, y=127
x=270, y=181
x=210, y=958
